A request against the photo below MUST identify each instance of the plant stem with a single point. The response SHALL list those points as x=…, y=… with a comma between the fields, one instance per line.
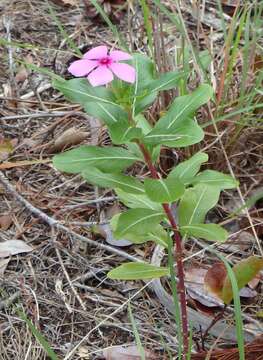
x=178, y=247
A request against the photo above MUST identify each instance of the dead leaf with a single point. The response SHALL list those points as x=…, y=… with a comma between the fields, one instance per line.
x=21, y=75
x=5, y=221
x=13, y=247
x=254, y=282
x=6, y=147
x=247, y=293
x=68, y=138
x=122, y=352
x=195, y=277
x=3, y=265
x=214, y=279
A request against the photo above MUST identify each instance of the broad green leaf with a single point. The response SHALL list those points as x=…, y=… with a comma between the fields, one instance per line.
x=163, y=190
x=137, y=201
x=215, y=178
x=244, y=271
x=210, y=232
x=144, y=70
x=157, y=234
x=81, y=92
x=121, y=133
x=143, y=123
x=183, y=107
x=108, y=159
x=166, y=81
x=137, y=221
x=110, y=114
x=126, y=183
x=98, y=101
x=144, y=101
x=185, y=134
x=189, y=168
x=137, y=271
x=196, y=202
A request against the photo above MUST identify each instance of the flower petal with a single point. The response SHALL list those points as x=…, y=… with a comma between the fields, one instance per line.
x=96, y=53
x=82, y=67
x=123, y=71
x=101, y=76
x=117, y=55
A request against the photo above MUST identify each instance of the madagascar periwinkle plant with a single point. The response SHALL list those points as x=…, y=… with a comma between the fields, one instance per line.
x=121, y=106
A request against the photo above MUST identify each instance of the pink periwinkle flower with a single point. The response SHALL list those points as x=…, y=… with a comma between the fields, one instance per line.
x=99, y=66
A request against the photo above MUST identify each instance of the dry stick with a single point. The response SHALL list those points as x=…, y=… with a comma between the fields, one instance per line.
x=54, y=223
x=179, y=251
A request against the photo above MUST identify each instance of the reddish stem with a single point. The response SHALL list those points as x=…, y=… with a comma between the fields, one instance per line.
x=179, y=251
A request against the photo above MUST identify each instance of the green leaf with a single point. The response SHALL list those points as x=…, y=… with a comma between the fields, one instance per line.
x=137, y=271
x=98, y=101
x=146, y=87
x=81, y=92
x=166, y=81
x=143, y=123
x=110, y=114
x=137, y=221
x=244, y=271
x=215, y=178
x=144, y=101
x=163, y=190
x=196, y=202
x=137, y=201
x=157, y=234
x=183, y=107
x=210, y=232
x=108, y=159
x=185, y=134
x=144, y=71
x=123, y=133
x=127, y=183
x=186, y=170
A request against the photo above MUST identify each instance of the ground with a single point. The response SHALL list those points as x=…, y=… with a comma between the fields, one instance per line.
x=61, y=284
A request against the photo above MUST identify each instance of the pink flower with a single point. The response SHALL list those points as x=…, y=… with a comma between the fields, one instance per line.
x=99, y=66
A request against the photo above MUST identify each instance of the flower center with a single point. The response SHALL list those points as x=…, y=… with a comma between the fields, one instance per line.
x=105, y=61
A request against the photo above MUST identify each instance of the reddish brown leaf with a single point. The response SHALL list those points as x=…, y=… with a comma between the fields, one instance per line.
x=214, y=279
x=195, y=277
x=5, y=222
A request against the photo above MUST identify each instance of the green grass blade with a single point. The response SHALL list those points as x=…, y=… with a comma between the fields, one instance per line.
x=148, y=25
x=237, y=309
x=136, y=333
x=39, y=337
